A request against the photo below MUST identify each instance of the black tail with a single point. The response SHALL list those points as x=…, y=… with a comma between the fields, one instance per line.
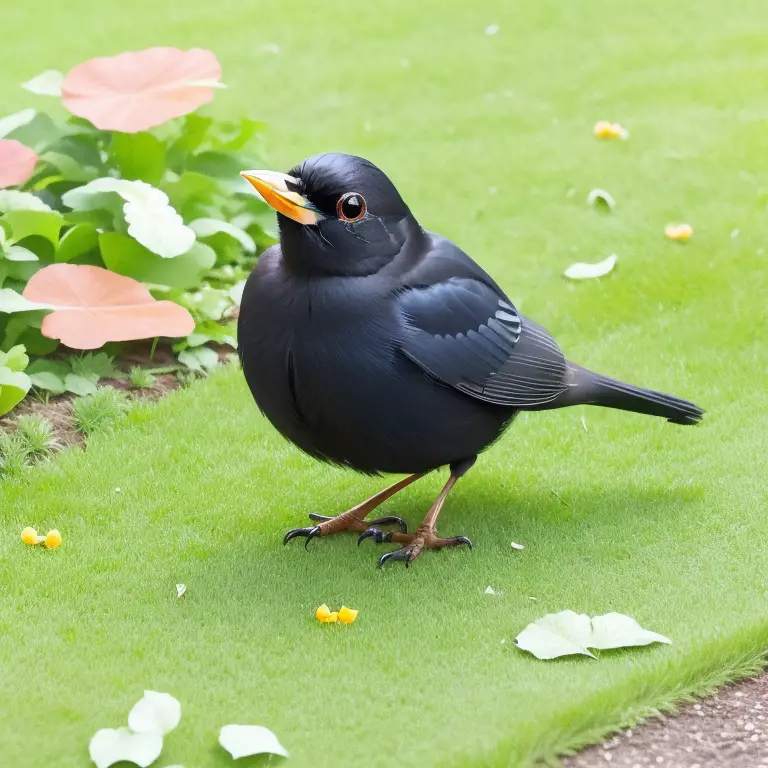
x=593, y=389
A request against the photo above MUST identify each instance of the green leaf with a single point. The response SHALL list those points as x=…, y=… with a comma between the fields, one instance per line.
x=13, y=388
x=69, y=169
x=35, y=342
x=13, y=200
x=15, y=358
x=16, y=120
x=207, y=227
x=46, y=224
x=224, y=166
x=231, y=136
x=95, y=366
x=193, y=134
x=77, y=241
x=78, y=385
x=59, y=368
x=139, y=156
x=122, y=254
x=199, y=359
x=39, y=133
x=49, y=382
x=189, y=187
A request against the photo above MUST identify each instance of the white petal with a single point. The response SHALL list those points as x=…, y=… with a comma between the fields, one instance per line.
x=582, y=271
x=557, y=634
x=16, y=120
x=601, y=197
x=245, y=740
x=155, y=713
x=492, y=29
x=114, y=745
x=180, y=590
x=491, y=591
x=47, y=83
x=236, y=292
x=615, y=630
x=515, y=545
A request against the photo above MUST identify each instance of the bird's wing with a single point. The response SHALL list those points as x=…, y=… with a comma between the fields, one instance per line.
x=463, y=333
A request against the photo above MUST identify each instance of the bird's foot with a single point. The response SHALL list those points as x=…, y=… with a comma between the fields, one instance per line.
x=414, y=544
x=348, y=521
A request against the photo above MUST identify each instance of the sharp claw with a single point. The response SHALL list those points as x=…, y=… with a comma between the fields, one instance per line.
x=319, y=518
x=464, y=540
x=378, y=536
x=399, y=554
x=310, y=533
x=391, y=520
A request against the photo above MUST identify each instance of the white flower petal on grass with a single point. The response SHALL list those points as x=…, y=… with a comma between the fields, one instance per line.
x=492, y=29
x=601, y=198
x=515, y=545
x=564, y=630
x=245, y=740
x=181, y=590
x=16, y=120
x=582, y=271
x=14, y=200
x=615, y=630
x=489, y=590
x=114, y=745
x=155, y=713
x=566, y=633
x=151, y=219
x=47, y=83
x=208, y=227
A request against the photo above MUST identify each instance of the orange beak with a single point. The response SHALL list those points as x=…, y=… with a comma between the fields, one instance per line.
x=273, y=187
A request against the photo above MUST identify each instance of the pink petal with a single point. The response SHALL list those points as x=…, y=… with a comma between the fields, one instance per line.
x=17, y=163
x=135, y=91
x=93, y=306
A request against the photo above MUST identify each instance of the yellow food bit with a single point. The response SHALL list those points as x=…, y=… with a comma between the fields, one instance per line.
x=332, y=617
x=29, y=535
x=678, y=231
x=53, y=539
x=607, y=130
x=324, y=614
x=347, y=615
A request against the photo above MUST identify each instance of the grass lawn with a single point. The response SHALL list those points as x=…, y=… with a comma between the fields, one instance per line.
x=634, y=515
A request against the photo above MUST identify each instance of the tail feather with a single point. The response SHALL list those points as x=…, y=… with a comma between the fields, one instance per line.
x=593, y=389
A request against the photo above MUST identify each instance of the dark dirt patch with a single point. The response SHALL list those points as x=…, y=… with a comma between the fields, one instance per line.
x=730, y=729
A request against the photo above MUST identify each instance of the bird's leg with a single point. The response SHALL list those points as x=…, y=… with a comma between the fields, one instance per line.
x=354, y=519
x=425, y=536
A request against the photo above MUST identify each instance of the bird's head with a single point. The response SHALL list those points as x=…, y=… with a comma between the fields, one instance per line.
x=338, y=215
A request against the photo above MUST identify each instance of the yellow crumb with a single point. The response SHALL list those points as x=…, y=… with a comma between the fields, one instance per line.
x=678, y=231
x=347, y=615
x=53, y=539
x=29, y=536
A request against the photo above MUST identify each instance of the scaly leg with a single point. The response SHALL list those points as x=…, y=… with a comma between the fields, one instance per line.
x=425, y=536
x=354, y=519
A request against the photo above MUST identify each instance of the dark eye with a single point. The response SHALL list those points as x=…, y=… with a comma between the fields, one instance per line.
x=351, y=207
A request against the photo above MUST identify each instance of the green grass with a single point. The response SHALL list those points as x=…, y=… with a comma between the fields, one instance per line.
x=634, y=515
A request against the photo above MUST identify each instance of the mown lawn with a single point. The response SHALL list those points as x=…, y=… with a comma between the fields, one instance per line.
x=633, y=515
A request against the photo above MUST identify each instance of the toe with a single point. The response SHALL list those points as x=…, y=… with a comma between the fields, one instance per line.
x=309, y=533
x=391, y=520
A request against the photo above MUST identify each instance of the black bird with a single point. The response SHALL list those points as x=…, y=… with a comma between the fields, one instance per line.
x=374, y=344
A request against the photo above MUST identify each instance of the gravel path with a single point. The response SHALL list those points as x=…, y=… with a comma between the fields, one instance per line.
x=730, y=729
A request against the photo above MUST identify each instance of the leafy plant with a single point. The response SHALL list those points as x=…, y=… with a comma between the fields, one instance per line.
x=78, y=375
x=141, y=378
x=14, y=383
x=14, y=455
x=101, y=411
x=37, y=433
x=134, y=184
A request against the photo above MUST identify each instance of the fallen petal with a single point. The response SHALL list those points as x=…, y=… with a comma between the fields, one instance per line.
x=601, y=199
x=678, y=231
x=114, y=745
x=245, y=740
x=155, y=713
x=583, y=271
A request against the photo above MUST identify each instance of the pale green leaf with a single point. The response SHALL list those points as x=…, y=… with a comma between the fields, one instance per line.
x=47, y=83
x=199, y=359
x=79, y=385
x=236, y=292
x=139, y=156
x=10, y=123
x=556, y=634
x=17, y=253
x=11, y=302
x=14, y=386
x=15, y=358
x=46, y=224
x=207, y=227
x=615, y=630
x=76, y=242
x=14, y=200
x=49, y=382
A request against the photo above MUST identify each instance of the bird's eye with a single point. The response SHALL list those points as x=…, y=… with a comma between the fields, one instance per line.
x=351, y=207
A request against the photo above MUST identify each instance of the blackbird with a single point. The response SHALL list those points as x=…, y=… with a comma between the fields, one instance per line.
x=374, y=344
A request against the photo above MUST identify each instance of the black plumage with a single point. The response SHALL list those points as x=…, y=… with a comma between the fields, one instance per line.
x=372, y=343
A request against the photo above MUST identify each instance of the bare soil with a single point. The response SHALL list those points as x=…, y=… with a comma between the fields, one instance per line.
x=730, y=729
